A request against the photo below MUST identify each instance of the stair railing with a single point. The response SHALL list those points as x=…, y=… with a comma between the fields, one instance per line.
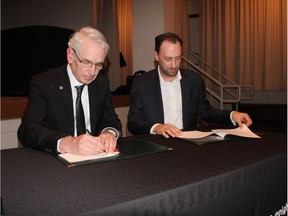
x=222, y=90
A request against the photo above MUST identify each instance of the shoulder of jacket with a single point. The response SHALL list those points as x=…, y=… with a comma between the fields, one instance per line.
x=190, y=73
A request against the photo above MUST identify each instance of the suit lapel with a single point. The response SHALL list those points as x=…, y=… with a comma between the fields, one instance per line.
x=93, y=91
x=156, y=93
x=185, y=91
x=65, y=98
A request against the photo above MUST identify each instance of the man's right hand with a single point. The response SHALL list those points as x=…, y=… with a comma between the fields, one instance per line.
x=167, y=130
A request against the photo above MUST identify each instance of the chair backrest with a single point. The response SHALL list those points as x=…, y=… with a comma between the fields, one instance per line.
x=129, y=79
x=138, y=73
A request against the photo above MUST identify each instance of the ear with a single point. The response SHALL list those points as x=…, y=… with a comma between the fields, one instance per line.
x=156, y=56
x=70, y=55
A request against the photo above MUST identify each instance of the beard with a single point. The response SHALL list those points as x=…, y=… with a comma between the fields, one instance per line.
x=170, y=72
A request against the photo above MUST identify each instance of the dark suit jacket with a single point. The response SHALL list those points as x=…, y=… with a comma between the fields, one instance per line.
x=146, y=106
x=49, y=112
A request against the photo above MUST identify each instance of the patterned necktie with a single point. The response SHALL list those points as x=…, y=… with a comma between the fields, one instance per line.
x=80, y=119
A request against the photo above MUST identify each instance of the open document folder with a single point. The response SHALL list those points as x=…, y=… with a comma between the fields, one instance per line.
x=127, y=148
x=201, y=137
x=72, y=158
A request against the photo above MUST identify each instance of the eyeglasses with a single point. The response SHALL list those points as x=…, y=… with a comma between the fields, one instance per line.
x=87, y=64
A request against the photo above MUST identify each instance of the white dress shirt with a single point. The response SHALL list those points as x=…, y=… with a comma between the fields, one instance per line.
x=84, y=99
x=172, y=101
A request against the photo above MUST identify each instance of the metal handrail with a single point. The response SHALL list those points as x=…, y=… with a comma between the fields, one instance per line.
x=229, y=93
x=211, y=67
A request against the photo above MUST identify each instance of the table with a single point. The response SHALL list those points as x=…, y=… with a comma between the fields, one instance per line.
x=239, y=177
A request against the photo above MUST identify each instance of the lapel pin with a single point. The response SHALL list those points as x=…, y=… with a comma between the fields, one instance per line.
x=60, y=87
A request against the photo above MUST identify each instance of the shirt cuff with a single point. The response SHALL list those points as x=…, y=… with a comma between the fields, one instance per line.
x=152, y=128
x=58, y=148
x=112, y=130
x=232, y=120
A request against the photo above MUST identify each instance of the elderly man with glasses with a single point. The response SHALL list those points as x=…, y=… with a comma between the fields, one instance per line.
x=61, y=118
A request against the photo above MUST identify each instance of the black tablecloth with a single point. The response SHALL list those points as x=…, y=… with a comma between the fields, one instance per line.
x=239, y=177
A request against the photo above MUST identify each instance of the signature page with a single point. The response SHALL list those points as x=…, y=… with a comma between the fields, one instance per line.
x=243, y=132
x=77, y=158
x=195, y=134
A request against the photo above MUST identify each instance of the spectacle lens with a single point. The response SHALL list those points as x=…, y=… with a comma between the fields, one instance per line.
x=88, y=64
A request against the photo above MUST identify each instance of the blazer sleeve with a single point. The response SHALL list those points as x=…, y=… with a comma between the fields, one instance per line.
x=209, y=113
x=102, y=110
x=146, y=107
x=44, y=115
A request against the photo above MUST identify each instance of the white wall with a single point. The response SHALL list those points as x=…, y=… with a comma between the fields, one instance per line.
x=9, y=133
x=148, y=22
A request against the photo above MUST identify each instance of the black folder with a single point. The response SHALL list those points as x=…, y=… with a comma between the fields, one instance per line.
x=128, y=147
x=212, y=139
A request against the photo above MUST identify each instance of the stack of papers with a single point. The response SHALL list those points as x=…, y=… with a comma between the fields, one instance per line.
x=243, y=132
x=72, y=158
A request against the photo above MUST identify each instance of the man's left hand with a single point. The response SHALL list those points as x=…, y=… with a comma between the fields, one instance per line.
x=241, y=118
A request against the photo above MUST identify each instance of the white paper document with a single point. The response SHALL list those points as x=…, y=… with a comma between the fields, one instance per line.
x=243, y=132
x=77, y=158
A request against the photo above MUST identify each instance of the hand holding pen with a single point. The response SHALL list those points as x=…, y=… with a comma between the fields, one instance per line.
x=84, y=144
x=107, y=139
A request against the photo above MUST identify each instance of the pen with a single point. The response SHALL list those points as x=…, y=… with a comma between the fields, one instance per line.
x=89, y=132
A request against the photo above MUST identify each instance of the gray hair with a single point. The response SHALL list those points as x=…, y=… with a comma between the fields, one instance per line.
x=95, y=35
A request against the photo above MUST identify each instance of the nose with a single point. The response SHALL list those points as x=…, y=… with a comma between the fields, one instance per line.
x=94, y=70
x=174, y=63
